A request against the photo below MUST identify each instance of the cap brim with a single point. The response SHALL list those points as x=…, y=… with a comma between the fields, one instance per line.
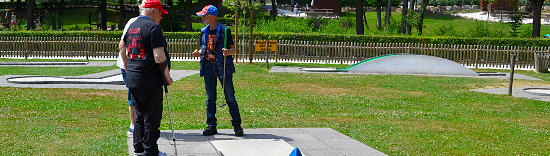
x=199, y=14
x=164, y=12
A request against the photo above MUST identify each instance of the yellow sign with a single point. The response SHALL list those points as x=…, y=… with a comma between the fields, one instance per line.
x=272, y=46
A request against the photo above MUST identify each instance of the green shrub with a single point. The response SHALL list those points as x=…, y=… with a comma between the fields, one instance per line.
x=309, y=37
x=445, y=30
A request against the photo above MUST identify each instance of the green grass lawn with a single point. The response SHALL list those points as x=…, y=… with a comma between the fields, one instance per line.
x=398, y=115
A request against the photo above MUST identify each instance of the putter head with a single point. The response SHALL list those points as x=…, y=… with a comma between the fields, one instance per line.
x=222, y=105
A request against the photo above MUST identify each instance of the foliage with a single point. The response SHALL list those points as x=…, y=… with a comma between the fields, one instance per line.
x=300, y=2
x=482, y=29
x=517, y=18
x=452, y=2
x=373, y=3
x=445, y=30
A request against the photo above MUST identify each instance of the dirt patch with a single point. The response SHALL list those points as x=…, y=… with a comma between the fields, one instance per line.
x=518, y=83
x=323, y=89
x=340, y=119
x=90, y=93
x=537, y=122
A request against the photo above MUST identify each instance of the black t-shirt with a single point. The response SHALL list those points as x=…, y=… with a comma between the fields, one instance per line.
x=212, y=33
x=141, y=38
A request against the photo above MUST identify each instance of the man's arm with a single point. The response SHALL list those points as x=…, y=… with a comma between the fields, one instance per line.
x=160, y=58
x=123, y=53
x=158, y=53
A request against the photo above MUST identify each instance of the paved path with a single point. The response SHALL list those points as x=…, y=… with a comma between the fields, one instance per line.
x=310, y=141
x=517, y=92
x=176, y=75
x=495, y=17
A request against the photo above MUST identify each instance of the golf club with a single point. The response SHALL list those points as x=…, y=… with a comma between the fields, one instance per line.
x=224, y=103
x=170, y=114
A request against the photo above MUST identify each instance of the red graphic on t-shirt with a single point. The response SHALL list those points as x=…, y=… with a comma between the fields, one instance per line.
x=210, y=48
x=135, y=49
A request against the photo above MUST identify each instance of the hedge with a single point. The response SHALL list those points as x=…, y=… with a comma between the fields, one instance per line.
x=308, y=37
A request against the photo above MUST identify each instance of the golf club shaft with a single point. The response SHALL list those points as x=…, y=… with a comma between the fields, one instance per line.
x=170, y=115
x=223, y=84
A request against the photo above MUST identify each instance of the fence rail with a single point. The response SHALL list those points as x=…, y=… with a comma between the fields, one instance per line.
x=288, y=51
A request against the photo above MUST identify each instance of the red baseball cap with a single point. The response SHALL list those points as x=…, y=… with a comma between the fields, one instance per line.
x=154, y=4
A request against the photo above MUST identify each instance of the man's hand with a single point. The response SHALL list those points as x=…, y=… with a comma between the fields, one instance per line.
x=167, y=77
x=197, y=53
x=227, y=52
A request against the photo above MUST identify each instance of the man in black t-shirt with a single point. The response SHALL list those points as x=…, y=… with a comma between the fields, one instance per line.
x=147, y=68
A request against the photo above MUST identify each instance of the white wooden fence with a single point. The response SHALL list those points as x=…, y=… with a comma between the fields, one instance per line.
x=288, y=51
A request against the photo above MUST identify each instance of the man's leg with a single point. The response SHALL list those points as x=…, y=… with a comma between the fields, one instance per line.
x=210, y=87
x=229, y=92
x=149, y=111
x=138, y=129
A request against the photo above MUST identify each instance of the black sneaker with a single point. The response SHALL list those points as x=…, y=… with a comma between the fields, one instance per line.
x=238, y=131
x=210, y=130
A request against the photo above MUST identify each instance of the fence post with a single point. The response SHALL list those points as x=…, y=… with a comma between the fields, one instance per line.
x=477, y=56
x=266, y=54
x=512, y=63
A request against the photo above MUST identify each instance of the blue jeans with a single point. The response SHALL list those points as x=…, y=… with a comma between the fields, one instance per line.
x=124, y=78
x=210, y=84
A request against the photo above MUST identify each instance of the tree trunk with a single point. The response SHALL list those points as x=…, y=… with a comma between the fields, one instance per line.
x=403, y=29
x=528, y=6
x=365, y=20
x=537, y=7
x=388, y=15
x=422, y=12
x=274, y=9
x=61, y=8
x=121, y=19
x=359, y=13
x=103, y=14
x=19, y=5
x=379, y=17
x=411, y=10
x=187, y=17
x=51, y=14
x=30, y=14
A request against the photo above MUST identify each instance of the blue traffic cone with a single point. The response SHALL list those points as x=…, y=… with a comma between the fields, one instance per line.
x=295, y=152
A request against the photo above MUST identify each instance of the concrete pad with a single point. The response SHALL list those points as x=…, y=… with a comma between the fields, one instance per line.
x=253, y=147
x=518, y=92
x=538, y=91
x=412, y=64
x=112, y=75
x=310, y=141
x=113, y=79
x=281, y=69
x=58, y=64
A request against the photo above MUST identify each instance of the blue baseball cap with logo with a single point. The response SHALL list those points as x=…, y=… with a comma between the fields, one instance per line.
x=209, y=9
